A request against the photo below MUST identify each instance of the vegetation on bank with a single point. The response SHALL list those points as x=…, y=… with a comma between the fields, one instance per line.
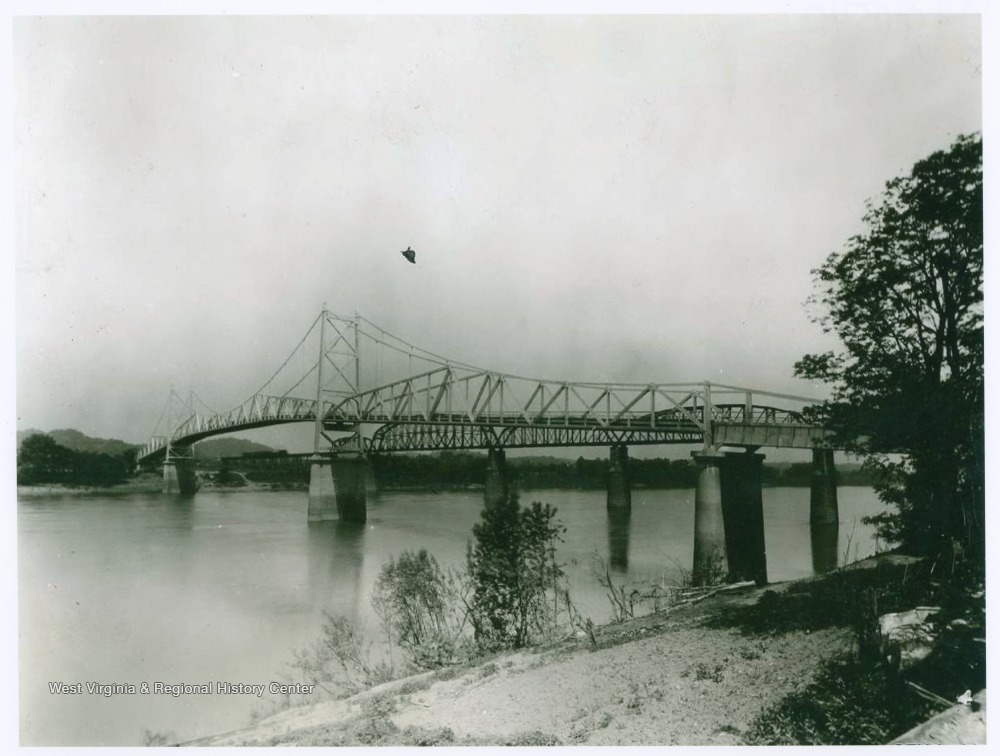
x=44, y=460
x=466, y=470
x=905, y=299
x=871, y=695
x=509, y=595
x=41, y=460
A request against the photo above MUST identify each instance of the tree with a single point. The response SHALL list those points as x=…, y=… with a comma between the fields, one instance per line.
x=905, y=299
x=513, y=572
x=41, y=460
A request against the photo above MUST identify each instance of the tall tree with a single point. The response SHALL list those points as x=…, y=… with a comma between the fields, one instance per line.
x=905, y=299
x=511, y=563
x=41, y=460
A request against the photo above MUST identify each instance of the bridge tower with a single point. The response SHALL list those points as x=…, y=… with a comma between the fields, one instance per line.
x=337, y=480
x=178, y=462
x=322, y=491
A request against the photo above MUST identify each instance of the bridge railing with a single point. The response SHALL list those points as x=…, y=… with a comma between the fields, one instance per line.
x=256, y=411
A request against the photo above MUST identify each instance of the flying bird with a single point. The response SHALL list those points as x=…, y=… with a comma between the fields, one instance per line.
x=410, y=255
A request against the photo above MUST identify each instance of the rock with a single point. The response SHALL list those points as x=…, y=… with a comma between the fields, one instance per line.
x=909, y=634
x=957, y=725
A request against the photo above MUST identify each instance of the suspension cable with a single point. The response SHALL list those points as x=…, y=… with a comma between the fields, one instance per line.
x=296, y=349
x=299, y=382
x=204, y=403
x=163, y=411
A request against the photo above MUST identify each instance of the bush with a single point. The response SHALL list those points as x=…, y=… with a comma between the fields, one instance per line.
x=423, y=608
x=515, y=578
x=341, y=662
x=850, y=703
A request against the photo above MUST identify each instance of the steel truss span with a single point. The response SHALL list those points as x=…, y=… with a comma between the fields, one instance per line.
x=393, y=396
x=431, y=437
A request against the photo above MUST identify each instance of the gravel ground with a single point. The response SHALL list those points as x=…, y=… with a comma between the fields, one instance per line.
x=659, y=680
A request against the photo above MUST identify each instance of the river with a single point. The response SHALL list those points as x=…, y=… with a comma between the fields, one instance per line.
x=146, y=588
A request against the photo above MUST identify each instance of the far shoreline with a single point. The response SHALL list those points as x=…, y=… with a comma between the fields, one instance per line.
x=146, y=486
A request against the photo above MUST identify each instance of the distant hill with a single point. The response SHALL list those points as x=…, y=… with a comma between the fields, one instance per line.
x=79, y=442
x=216, y=448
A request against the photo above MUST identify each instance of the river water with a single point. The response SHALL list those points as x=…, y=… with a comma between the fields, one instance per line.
x=217, y=587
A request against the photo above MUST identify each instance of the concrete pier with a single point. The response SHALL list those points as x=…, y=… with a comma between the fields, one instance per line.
x=178, y=471
x=823, y=509
x=825, y=541
x=322, y=491
x=497, y=487
x=743, y=514
x=350, y=475
x=710, y=560
x=619, y=489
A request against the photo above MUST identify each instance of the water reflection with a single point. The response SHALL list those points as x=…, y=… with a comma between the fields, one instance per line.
x=619, y=530
x=180, y=513
x=336, y=565
x=825, y=546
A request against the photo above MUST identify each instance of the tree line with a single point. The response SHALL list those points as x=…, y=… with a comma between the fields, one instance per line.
x=41, y=460
x=463, y=469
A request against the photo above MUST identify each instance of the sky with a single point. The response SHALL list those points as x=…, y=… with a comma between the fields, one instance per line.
x=591, y=198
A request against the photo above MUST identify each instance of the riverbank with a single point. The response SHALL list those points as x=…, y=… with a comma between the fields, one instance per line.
x=153, y=483
x=704, y=673
x=146, y=483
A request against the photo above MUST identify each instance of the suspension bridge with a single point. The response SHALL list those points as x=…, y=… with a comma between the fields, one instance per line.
x=367, y=392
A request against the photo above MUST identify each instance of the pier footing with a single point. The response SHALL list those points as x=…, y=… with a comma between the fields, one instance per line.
x=743, y=514
x=322, y=490
x=619, y=489
x=497, y=487
x=823, y=508
x=710, y=562
x=178, y=471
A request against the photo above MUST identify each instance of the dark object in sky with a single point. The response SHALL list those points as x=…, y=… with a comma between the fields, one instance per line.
x=410, y=255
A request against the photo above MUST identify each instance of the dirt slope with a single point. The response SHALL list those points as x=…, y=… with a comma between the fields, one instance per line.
x=660, y=680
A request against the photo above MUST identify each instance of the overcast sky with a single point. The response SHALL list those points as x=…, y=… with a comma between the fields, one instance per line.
x=591, y=198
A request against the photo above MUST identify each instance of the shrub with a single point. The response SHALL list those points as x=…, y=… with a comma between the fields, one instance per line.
x=341, y=661
x=850, y=703
x=515, y=578
x=423, y=608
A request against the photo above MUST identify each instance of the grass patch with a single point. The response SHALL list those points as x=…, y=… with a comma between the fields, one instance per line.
x=848, y=704
x=867, y=697
x=833, y=600
x=705, y=671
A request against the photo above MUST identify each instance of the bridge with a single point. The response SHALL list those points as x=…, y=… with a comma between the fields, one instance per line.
x=367, y=392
